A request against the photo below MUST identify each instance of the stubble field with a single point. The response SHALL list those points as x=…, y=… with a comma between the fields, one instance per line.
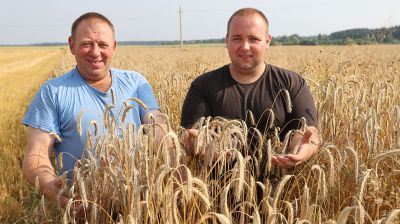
x=354, y=177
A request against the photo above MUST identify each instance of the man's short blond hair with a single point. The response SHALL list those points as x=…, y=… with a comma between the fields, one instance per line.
x=247, y=12
x=90, y=16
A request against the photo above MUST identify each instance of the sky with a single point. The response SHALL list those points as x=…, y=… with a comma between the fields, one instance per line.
x=29, y=21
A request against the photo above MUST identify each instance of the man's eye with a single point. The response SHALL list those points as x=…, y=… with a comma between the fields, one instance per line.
x=254, y=40
x=103, y=45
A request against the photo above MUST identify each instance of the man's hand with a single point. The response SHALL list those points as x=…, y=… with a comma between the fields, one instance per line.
x=189, y=137
x=189, y=142
x=52, y=189
x=304, y=147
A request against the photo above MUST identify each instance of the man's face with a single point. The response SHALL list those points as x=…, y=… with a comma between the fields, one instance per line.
x=247, y=41
x=93, y=46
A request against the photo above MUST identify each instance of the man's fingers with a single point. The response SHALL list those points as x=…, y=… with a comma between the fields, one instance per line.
x=192, y=132
x=189, y=139
x=186, y=140
x=78, y=209
x=189, y=142
x=307, y=136
x=294, y=157
x=283, y=162
x=63, y=200
x=58, y=182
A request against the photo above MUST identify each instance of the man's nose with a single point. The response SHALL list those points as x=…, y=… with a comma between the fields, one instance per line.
x=246, y=45
x=95, y=51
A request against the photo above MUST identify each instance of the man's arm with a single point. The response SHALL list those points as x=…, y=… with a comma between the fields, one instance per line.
x=37, y=164
x=303, y=147
x=195, y=106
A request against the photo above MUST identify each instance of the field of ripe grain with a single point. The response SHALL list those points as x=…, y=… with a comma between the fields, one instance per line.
x=22, y=70
x=353, y=178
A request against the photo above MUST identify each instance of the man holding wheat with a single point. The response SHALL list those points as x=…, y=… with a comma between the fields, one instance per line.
x=249, y=87
x=69, y=111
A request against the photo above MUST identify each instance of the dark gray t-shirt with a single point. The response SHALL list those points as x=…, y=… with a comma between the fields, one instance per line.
x=216, y=93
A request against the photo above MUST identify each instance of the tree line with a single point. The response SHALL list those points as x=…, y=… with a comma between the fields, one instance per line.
x=360, y=36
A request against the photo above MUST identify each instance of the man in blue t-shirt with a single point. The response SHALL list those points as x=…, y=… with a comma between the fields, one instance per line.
x=66, y=106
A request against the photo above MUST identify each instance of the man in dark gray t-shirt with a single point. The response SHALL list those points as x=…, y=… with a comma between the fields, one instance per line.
x=249, y=84
x=216, y=93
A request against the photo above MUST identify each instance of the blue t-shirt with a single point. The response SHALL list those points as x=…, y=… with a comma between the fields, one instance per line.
x=56, y=107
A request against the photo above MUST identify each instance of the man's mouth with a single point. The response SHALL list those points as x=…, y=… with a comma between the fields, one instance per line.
x=95, y=62
x=245, y=56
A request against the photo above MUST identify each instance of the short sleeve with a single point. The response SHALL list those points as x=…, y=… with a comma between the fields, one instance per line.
x=303, y=103
x=42, y=112
x=195, y=105
x=146, y=95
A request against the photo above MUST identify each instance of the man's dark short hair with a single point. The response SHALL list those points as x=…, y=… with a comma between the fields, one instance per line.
x=87, y=17
x=246, y=12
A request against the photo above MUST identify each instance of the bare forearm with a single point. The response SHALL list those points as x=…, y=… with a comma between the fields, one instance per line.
x=38, y=167
x=41, y=170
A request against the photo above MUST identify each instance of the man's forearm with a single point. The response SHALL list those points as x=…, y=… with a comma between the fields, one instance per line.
x=36, y=167
x=42, y=171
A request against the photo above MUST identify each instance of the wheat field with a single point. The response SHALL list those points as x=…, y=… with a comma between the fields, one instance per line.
x=353, y=178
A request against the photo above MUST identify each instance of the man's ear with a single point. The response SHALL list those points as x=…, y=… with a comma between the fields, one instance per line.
x=71, y=45
x=269, y=38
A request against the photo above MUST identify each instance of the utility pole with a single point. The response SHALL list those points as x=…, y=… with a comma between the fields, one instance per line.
x=180, y=26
